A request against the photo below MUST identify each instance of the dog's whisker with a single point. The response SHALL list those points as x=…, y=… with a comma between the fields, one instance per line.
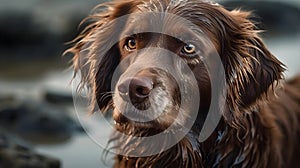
x=106, y=95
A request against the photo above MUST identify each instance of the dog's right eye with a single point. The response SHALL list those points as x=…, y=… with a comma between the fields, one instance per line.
x=130, y=44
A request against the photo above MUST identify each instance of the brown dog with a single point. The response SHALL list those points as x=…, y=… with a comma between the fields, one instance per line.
x=259, y=124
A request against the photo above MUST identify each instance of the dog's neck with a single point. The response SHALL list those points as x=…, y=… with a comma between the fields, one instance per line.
x=226, y=146
x=186, y=153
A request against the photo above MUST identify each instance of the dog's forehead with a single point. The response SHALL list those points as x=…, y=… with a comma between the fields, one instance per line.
x=161, y=23
x=166, y=5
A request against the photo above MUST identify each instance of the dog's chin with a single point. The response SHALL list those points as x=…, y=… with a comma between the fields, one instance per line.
x=121, y=121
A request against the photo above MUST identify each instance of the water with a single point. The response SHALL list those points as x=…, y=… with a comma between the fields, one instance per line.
x=80, y=152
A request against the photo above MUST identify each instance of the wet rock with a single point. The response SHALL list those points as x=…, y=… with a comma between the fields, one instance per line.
x=277, y=18
x=15, y=155
x=40, y=30
x=34, y=34
x=58, y=98
x=38, y=122
x=24, y=39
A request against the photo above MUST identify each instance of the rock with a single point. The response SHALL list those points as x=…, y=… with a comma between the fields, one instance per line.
x=58, y=98
x=277, y=18
x=41, y=27
x=14, y=155
x=34, y=34
x=38, y=122
x=24, y=39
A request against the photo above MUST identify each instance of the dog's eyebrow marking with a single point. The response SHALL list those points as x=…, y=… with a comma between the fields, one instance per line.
x=185, y=36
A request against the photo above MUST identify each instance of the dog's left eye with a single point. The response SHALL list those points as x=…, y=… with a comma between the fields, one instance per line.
x=189, y=50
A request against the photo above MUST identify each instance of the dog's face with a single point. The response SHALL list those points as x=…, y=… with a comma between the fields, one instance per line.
x=157, y=69
x=161, y=62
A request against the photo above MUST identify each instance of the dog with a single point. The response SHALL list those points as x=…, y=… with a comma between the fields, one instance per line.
x=164, y=66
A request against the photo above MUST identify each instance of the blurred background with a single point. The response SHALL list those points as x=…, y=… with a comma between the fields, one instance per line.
x=38, y=123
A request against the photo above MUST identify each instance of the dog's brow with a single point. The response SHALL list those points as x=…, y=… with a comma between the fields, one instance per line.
x=136, y=25
x=185, y=36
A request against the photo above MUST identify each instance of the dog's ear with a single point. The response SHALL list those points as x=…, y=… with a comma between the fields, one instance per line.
x=251, y=70
x=96, y=53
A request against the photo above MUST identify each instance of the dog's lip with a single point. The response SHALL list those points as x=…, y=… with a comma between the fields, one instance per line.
x=135, y=116
x=120, y=119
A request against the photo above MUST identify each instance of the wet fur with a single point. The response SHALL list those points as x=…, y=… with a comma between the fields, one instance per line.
x=260, y=125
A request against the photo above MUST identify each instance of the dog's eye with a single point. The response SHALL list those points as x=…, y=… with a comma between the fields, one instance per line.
x=189, y=49
x=130, y=44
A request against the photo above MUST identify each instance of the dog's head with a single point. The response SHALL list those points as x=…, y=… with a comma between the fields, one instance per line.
x=140, y=59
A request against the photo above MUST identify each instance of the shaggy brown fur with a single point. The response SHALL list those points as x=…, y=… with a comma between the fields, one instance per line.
x=260, y=123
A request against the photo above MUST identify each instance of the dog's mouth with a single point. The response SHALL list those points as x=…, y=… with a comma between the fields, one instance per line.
x=133, y=119
x=147, y=115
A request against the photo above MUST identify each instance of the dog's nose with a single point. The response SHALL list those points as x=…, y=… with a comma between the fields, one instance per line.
x=137, y=89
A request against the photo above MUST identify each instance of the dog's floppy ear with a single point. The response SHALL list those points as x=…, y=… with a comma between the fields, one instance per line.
x=96, y=53
x=251, y=69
